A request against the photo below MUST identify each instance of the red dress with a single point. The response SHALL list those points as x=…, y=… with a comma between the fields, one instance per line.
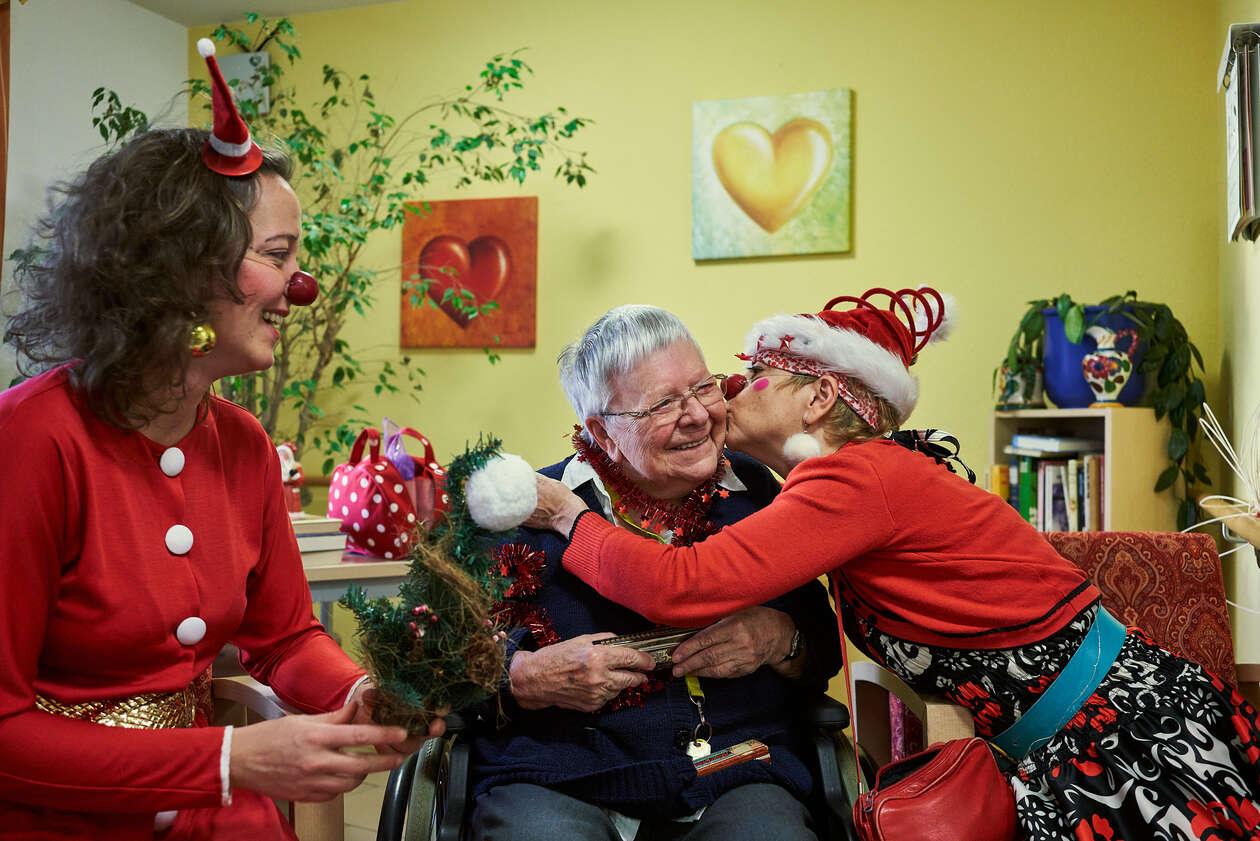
x=125, y=566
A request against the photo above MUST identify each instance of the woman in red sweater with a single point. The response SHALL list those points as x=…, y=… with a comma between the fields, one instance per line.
x=144, y=522
x=946, y=585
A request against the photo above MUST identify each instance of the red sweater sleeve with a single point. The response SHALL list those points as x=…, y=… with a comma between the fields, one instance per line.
x=821, y=519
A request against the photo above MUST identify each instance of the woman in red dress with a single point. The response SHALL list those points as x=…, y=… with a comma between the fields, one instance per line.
x=144, y=519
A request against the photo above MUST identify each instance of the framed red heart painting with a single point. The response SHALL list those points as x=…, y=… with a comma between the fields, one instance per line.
x=469, y=275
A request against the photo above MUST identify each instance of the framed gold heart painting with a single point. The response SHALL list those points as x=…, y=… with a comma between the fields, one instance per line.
x=770, y=175
x=469, y=276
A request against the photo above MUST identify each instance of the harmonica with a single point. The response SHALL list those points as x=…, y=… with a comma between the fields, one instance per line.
x=734, y=755
x=659, y=642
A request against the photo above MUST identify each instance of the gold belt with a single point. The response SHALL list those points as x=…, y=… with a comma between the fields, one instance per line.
x=149, y=710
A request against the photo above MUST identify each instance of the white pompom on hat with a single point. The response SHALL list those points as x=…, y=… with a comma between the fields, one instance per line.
x=230, y=150
x=873, y=344
x=502, y=494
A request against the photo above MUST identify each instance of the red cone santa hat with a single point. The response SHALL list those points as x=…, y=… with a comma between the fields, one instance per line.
x=873, y=344
x=230, y=150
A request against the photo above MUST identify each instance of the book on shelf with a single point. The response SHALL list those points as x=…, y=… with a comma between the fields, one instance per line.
x=1027, y=490
x=310, y=524
x=1000, y=480
x=1055, y=443
x=322, y=557
x=316, y=534
x=1057, y=511
x=1054, y=494
x=1048, y=486
x=320, y=542
x=1012, y=450
x=1073, y=491
x=1094, y=519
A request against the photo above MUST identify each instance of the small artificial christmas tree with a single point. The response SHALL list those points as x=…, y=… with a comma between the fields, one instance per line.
x=437, y=646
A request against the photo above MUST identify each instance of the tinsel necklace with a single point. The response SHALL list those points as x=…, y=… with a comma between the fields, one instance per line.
x=688, y=520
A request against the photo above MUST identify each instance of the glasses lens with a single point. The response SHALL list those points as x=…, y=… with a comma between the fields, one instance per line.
x=668, y=410
x=708, y=391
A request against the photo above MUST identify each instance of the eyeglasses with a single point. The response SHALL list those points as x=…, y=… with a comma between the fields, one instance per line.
x=669, y=409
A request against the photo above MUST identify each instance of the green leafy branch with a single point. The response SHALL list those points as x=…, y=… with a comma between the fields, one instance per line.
x=359, y=170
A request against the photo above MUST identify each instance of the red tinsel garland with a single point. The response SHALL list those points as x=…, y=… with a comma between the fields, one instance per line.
x=688, y=520
x=524, y=563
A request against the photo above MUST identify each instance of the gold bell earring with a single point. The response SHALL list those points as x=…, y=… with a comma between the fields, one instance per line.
x=201, y=339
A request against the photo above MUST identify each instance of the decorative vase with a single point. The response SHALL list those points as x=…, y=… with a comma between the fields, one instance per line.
x=1108, y=368
x=1016, y=393
x=1064, y=383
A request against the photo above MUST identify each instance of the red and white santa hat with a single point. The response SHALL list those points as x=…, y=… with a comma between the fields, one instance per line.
x=230, y=150
x=873, y=344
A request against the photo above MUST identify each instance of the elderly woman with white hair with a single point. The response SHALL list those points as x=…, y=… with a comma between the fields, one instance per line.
x=1105, y=735
x=599, y=742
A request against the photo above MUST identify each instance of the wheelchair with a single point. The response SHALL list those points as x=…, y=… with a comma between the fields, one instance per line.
x=427, y=798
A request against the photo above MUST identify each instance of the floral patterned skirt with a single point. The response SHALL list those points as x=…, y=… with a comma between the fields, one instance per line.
x=1162, y=751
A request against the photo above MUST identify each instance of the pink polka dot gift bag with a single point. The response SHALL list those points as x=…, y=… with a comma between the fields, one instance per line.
x=383, y=501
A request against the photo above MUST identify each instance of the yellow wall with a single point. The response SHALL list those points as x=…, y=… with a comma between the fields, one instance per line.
x=1240, y=361
x=1001, y=152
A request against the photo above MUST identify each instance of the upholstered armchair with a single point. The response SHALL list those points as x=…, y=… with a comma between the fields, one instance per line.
x=1168, y=584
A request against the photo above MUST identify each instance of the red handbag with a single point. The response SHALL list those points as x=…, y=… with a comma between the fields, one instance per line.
x=380, y=510
x=952, y=791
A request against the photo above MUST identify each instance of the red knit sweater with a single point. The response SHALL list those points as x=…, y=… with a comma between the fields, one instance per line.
x=919, y=551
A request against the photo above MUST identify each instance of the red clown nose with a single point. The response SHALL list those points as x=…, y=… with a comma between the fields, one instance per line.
x=301, y=290
x=733, y=385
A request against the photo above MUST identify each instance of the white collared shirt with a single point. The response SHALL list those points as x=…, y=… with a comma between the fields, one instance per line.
x=577, y=472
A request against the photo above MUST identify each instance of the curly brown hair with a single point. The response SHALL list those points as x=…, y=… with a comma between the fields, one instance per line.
x=125, y=263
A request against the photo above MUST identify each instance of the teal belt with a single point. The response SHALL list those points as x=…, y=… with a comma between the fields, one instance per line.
x=1067, y=693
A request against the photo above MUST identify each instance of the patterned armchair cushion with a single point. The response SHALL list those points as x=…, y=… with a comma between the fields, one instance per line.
x=1166, y=583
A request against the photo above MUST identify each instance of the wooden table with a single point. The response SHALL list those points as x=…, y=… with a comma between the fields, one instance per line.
x=328, y=581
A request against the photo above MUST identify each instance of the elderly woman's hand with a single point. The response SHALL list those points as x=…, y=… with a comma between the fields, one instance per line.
x=576, y=674
x=557, y=507
x=737, y=645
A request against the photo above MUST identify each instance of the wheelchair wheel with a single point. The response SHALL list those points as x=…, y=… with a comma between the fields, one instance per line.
x=422, y=805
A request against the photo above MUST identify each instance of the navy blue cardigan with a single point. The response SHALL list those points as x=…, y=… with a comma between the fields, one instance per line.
x=633, y=760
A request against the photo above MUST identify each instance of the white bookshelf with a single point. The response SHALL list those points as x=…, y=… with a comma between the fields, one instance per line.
x=1135, y=448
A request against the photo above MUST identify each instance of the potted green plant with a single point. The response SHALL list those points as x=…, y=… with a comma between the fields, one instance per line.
x=1018, y=380
x=1167, y=354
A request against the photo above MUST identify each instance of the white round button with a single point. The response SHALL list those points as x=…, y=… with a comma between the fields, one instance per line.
x=171, y=462
x=164, y=820
x=191, y=630
x=179, y=539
